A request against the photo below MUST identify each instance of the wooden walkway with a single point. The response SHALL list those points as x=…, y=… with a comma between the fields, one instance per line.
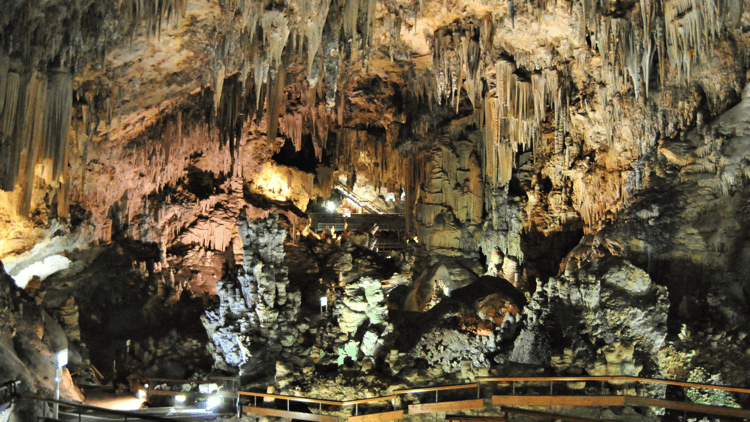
x=399, y=404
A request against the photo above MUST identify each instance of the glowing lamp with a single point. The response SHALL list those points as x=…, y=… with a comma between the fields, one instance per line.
x=330, y=206
x=61, y=358
x=213, y=402
x=180, y=399
x=141, y=394
x=323, y=303
x=447, y=291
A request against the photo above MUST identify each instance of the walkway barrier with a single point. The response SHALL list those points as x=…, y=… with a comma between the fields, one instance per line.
x=599, y=393
x=524, y=412
x=229, y=391
x=378, y=416
x=473, y=418
x=256, y=409
x=82, y=410
x=288, y=413
x=593, y=391
x=506, y=392
x=9, y=392
x=445, y=406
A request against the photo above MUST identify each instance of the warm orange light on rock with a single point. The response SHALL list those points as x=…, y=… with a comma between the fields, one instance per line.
x=273, y=182
x=282, y=183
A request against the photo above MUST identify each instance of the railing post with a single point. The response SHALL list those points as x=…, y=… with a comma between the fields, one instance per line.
x=436, y=396
x=356, y=409
x=550, y=388
x=513, y=387
x=287, y=405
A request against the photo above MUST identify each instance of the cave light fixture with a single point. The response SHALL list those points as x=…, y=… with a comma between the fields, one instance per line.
x=180, y=399
x=61, y=359
x=208, y=388
x=323, y=303
x=447, y=291
x=330, y=206
x=213, y=402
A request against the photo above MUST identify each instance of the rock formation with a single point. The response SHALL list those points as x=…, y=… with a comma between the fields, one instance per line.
x=256, y=316
x=592, y=312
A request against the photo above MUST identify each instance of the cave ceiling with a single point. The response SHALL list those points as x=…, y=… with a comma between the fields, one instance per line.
x=516, y=127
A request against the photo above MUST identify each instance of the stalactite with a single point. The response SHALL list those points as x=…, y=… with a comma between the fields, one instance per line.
x=218, y=76
x=4, y=66
x=457, y=55
x=275, y=93
x=31, y=137
x=291, y=126
x=413, y=171
x=661, y=50
x=332, y=58
x=646, y=60
x=57, y=120
x=228, y=114
x=691, y=26
x=351, y=13
x=11, y=145
x=313, y=15
x=513, y=112
x=633, y=64
x=153, y=12
x=559, y=125
x=367, y=31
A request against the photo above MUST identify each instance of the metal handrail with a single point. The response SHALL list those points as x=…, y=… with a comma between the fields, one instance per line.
x=81, y=406
x=9, y=391
x=479, y=380
x=616, y=378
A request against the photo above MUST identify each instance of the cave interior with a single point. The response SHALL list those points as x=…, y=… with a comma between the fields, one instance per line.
x=341, y=198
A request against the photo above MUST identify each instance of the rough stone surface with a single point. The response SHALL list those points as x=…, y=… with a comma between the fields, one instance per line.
x=610, y=302
x=255, y=317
